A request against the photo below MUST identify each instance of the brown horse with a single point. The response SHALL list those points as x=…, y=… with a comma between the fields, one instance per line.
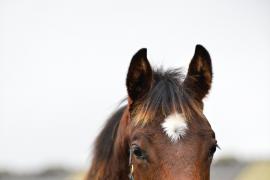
x=162, y=132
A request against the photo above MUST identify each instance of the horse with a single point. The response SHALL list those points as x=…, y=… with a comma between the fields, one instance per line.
x=161, y=133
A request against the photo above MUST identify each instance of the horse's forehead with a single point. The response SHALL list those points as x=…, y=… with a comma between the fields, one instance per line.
x=175, y=126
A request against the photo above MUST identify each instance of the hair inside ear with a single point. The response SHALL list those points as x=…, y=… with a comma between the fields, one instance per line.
x=139, y=77
x=199, y=77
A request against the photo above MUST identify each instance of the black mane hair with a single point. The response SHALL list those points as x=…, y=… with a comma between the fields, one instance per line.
x=167, y=94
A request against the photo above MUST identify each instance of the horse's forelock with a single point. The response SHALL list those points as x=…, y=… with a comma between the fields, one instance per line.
x=168, y=96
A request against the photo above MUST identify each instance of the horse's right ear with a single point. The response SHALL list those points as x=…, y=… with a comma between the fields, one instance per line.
x=139, y=77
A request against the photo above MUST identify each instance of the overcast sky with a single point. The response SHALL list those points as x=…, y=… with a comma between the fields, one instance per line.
x=63, y=66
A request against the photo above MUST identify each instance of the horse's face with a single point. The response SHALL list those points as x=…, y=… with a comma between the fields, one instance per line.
x=156, y=156
x=169, y=136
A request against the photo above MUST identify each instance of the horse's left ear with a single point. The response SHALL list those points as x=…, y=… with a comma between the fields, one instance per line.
x=139, y=77
x=199, y=77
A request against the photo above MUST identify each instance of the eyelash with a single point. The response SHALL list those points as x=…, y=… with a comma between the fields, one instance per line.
x=213, y=150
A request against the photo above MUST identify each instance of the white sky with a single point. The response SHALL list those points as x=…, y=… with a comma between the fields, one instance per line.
x=63, y=66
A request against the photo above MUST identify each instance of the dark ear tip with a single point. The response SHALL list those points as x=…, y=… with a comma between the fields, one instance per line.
x=142, y=52
x=201, y=51
x=200, y=48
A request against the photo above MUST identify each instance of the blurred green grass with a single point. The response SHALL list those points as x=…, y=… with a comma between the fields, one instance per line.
x=255, y=171
x=77, y=176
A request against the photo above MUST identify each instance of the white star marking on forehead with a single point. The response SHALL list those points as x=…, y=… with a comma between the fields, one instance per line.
x=175, y=126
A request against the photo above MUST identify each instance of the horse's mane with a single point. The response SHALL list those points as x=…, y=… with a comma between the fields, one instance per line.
x=105, y=140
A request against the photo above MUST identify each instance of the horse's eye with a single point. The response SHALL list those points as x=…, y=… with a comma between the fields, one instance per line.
x=138, y=152
x=212, y=150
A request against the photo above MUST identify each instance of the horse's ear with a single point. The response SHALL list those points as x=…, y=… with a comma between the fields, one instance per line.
x=199, y=77
x=139, y=77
